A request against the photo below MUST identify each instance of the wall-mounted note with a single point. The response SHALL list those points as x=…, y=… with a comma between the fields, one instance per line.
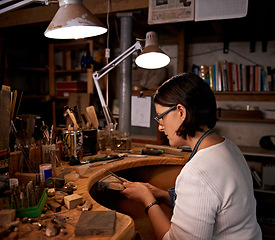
x=141, y=111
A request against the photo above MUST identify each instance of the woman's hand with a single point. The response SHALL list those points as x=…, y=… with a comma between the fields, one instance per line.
x=157, y=192
x=139, y=192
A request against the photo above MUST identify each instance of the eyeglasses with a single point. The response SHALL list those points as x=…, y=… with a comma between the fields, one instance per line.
x=157, y=118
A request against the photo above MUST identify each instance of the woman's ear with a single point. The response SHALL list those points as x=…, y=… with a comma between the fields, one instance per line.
x=182, y=111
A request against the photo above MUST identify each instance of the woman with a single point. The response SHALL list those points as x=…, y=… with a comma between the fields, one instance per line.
x=213, y=196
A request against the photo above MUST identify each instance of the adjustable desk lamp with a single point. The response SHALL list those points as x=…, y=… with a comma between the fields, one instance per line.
x=151, y=57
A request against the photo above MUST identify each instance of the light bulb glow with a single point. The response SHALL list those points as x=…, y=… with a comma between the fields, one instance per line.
x=152, y=60
x=75, y=32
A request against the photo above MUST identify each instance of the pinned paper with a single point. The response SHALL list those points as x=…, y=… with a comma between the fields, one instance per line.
x=141, y=111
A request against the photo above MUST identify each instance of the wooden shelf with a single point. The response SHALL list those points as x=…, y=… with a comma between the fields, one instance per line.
x=70, y=71
x=229, y=96
x=261, y=120
x=257, y=151
x=66, y=71
x=144, y=92
x=29, y=69
x=72, y=45
x=245, y=96
x=263, y=191
x=61, y=98
x=33, y=96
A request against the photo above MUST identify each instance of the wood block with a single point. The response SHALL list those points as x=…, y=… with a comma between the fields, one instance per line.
x=56, y=207
x=82, y=170
x=96, y=223
x=92, y=117
x=110, y=182
x=6, y=216
x=73, y=200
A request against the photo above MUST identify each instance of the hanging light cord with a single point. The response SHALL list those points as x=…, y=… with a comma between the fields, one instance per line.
x=107, y=52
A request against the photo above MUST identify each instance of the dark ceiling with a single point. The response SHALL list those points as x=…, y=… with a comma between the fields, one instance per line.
x=256, y=26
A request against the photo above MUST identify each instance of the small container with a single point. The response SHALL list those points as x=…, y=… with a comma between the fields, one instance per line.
x=45, y=171
x=89, y=142
x=124, y=141
x=33, y=212
x=13, y=183
x=49, y=156
x=110, y=137
x=101, y=139
x=72, y=144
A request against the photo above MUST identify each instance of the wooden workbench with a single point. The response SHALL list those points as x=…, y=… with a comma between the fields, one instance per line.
x=125, y=226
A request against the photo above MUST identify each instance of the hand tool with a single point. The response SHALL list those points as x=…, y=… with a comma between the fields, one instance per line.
x=152, y=151
x=113, y=160
x=108, y=157
x=113, y=174
x=68, y=112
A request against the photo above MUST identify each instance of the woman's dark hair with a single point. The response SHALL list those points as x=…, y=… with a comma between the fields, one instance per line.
x=195, y=95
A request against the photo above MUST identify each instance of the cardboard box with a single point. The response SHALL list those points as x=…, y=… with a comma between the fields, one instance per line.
x=63, y=89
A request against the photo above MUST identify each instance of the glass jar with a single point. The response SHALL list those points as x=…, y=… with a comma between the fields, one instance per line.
x=49, y=156
x=101, y=140
x=123, y=141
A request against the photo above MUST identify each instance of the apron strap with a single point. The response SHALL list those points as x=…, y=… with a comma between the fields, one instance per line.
x=171, y=191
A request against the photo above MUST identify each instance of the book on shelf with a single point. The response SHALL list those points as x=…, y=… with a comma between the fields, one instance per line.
x=196, y=69
x=265, y=83
x=224, y=80
x=251, y=79
x=256, y=178
x=214, y=77
x=271, y=78
x=211, y=80
x=237, y=77
x=206, y=74
x=219, y=76
x=242, y=77
x=229, y=76
x=202, y=72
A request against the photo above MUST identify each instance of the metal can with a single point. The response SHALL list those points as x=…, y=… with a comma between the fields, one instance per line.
x=72, y=144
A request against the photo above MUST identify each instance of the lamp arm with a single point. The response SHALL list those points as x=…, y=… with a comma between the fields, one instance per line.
x=101, y=73
x=103, y=103
x=20, y=4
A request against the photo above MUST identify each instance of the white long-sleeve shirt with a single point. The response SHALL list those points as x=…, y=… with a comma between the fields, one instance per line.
x=215, y=198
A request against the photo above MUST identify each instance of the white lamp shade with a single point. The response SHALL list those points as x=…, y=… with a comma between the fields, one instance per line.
x=152, y=60
x=74, y=21
x=152, y=57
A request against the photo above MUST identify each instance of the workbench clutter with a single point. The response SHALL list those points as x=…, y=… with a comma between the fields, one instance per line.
x=79, y=138
x=41, y=206
x=110, y=139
